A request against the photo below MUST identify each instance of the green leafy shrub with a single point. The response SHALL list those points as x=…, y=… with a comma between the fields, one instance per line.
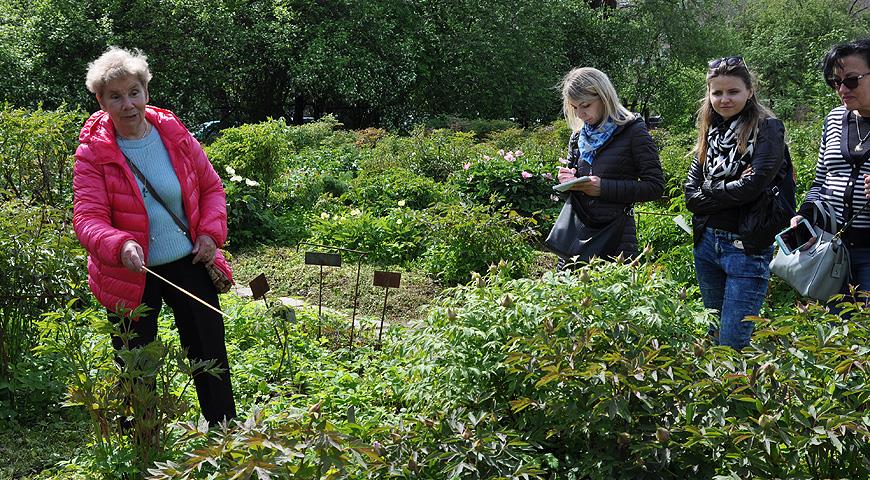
x=675, y=155
x=464, y=239
x=390, y=238
x=438, y=153
x=296, y=444
x=381, y=192
x=43, y=268
x=325, y=131
x=255, y=151
x=465, y=335
x=510, y=180
x=250, y=221
x=131, y=395
x=36, y=153
x=631, y=405
x=479, y=126
x=803, y=143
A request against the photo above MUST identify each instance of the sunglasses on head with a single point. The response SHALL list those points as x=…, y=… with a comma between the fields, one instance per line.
x=727, y=61
x=850, y=82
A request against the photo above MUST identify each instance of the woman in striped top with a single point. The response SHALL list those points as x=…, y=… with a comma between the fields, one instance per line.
x=843, y=172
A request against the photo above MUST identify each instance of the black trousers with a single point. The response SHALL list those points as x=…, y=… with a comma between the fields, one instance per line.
x=201, y=330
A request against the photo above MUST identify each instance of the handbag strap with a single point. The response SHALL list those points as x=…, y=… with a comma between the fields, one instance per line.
x=849, y=223
x=156, y=195
x=828, y=210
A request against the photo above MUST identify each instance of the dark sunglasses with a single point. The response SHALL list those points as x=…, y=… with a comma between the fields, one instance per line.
x=728, y=61
x=850, y=82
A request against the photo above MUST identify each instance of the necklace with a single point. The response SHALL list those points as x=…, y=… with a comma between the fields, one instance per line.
x=148, y=129
x=861, y=139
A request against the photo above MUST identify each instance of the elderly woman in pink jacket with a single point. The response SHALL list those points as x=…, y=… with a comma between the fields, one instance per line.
x=147, y=196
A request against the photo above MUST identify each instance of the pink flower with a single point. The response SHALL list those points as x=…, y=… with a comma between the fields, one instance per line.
x=563, y=161
x=509, y=157
x=548, y=176
x=487, y=157
x=501, y=152
x=526, y=174
x=466, y=166
x=519, y=153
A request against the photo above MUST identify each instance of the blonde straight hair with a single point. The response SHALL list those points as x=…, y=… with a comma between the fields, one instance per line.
x=587, y=84
x=753, y=114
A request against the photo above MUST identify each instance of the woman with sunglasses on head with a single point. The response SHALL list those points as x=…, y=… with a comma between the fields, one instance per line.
x=843, y=172
x=740, y=155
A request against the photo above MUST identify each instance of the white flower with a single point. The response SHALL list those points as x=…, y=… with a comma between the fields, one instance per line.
x=324, y=216
x=356, y=212
x=251, y=183
x=236, y=178
x=401, y=203
x=399, y=221
x=230, y=170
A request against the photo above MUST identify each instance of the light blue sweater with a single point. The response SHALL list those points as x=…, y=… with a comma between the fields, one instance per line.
x=166, y=242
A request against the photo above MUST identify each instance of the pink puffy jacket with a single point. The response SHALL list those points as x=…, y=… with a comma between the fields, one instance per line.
x=108, y=208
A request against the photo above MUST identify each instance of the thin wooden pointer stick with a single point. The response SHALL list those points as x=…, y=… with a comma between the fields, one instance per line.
x=184, y=291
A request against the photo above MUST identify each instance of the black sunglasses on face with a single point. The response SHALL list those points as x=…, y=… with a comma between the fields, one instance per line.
x=850, y=82
x=728, y=61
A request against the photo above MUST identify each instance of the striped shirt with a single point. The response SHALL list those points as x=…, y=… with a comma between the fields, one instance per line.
x=839, y=181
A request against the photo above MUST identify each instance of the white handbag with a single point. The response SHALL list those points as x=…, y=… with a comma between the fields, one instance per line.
x=818, y=272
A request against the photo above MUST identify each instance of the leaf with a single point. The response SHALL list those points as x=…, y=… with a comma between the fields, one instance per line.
x=835, y=441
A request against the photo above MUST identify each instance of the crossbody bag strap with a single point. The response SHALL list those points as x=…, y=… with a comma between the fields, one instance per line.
x=849, y=223
x=156, y=195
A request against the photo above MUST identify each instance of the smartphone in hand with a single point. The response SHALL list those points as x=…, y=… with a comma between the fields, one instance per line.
x=792, y=238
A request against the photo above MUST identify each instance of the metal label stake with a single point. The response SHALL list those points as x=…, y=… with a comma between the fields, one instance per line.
x=259, y=286
x=387, y=280
x=322, y=259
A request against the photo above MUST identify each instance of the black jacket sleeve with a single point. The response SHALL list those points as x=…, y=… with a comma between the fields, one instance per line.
x=704, y=196
x=649, y=183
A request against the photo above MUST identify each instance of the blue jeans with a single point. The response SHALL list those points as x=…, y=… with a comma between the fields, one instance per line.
x=732, y=283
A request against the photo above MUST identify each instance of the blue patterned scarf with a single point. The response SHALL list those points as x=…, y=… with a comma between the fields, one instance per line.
x=591, y=139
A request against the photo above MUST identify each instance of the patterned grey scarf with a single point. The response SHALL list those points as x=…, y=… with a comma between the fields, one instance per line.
x=723, y=161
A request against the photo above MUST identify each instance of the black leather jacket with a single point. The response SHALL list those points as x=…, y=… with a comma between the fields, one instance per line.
x=725, y=198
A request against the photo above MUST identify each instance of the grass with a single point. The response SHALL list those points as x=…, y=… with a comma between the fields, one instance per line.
x=36, y=450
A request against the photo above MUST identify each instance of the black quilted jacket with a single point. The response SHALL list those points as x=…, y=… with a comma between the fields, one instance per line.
x=630, y=172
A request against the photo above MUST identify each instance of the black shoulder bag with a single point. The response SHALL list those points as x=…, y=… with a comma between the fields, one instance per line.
x=571, y=235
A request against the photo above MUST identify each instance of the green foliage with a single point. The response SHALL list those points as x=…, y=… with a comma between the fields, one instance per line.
x=465, y=239
x=480, y=126
x=509, y=180
x=784, y=46
x=380, y=192
x=789, y=407
x=249, y=220
x=388, y=237
x=296, y=444
x=803, y=142
x=36, y=154
x=438, y=153
x=43, y=268
x=256, y=151
x=323, y=131
x=131, y=394
x=675, y=155
x=465, y=335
